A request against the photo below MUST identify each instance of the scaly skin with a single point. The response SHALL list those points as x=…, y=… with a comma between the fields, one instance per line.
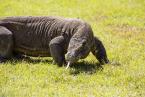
x=47, y=36
x=32, y=35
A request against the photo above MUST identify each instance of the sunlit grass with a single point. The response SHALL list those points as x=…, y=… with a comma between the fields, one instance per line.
x=120, y=24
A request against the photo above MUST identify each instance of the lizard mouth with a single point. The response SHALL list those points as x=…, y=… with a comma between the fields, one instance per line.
x=71, y=57
x=69, y=62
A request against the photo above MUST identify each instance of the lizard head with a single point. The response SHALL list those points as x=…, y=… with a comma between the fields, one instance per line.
x=78, y=48
x=80, y=44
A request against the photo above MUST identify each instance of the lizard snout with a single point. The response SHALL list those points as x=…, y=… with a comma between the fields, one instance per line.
x=70, y=56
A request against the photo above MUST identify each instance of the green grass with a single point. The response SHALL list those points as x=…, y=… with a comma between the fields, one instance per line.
x=120, y=24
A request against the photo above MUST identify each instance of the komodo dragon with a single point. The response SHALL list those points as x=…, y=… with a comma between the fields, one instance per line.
x=49, y=37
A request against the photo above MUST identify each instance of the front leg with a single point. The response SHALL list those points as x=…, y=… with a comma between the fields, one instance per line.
x=99, y=51
x=57, y=50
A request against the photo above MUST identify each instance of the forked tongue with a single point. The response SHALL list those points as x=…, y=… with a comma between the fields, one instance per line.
x=68, y=64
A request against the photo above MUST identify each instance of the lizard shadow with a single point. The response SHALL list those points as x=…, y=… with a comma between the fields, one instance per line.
x=90, y=67
x=75, y=69
x=32, y=60
x=40, y=60
x=85, y=67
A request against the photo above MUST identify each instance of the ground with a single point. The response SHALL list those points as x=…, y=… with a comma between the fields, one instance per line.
x=120, y=24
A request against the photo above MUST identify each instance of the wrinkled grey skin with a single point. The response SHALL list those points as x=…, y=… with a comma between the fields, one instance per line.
x=49, y=37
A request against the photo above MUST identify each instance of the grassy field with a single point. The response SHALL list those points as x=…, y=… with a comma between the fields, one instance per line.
x=120, y=24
